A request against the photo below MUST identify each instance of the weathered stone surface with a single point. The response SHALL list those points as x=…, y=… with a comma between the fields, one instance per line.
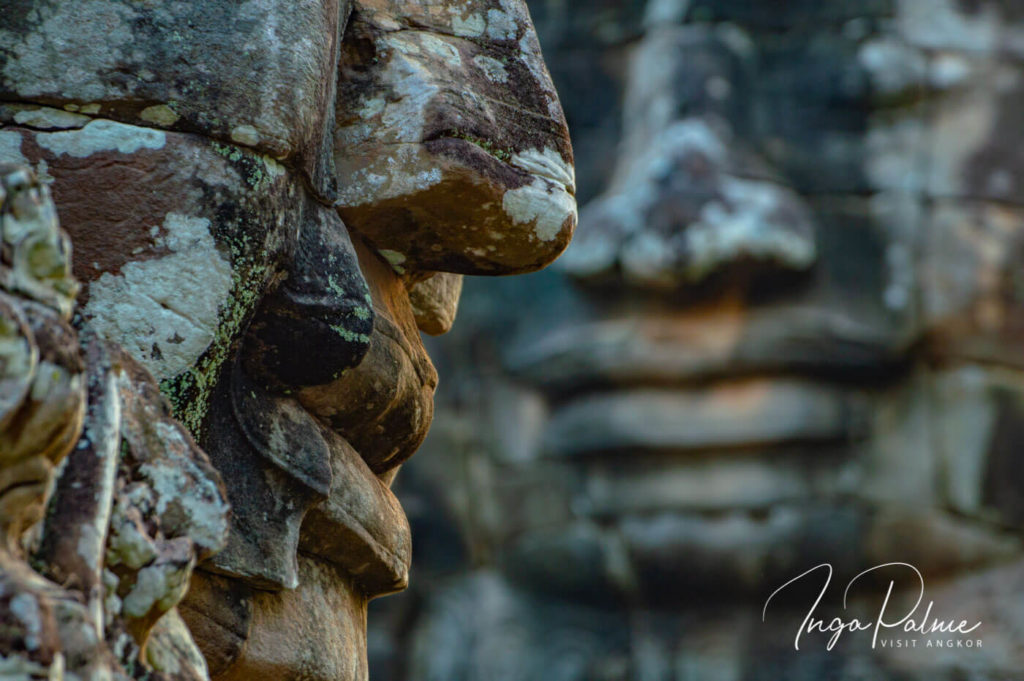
x=717, y=484
x=174, y=243
x=42, y=408
x=169, y=511
x=974, y=600
x=136, y=502
x=728, y=339
x=271, y=449
x=316, y=632
x=855, y=314
x=225, y=225
x=194, y=150
x=451, y=147
x=360, y=527
x=976, y=413
x=435, y=302
x=137, y=505
x=970, y=27
x=383, y=406
x=43, y=397
x=678, y=555
x=975, y=146
x=318, y=322
x=218, y=611
x=897, y=457
x=266, y=84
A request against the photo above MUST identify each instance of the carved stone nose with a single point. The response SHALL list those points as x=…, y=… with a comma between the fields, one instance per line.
x=689, y=204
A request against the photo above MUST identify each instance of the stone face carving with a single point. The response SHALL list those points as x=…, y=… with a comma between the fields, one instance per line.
x=136, y=503
x=643, y=442
x=457, y=97
x=204, y=157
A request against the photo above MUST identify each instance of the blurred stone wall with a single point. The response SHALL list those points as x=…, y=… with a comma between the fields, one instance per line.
x=636, y=446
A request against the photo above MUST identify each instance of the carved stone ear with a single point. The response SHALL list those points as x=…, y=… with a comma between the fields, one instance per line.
x=278, y=462
x=282, y=432
x=318, y=322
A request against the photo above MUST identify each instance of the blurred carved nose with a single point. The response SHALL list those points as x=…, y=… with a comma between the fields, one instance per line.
x=690, y=204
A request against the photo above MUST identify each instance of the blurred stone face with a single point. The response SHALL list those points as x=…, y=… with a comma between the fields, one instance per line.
x=786, y=332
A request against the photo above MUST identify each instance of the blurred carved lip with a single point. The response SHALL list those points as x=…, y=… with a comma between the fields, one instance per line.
x=670, y=350
x=753, y=413
x=742, y=445
x=695, y=556
x=751, y=484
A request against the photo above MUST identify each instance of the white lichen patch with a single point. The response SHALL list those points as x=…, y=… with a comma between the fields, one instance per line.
x=46, y=118
x=245, y=134
x=165, y=311
x=546, y=163
x=194, y=493
x=542, y=203
x=530, y=56
x=441, y=48
x=101, y=135
x=26, y=608
x=10, y=148
x=493, y=69
x=472, y=26
x=943, y=25
x=49, y=58
x=159, y=114
x=393, y=257
x=747, y=227
x=372, y=107
x=89, y=542
x=160, y=586
x=274, y=169
x=415, y=86
x=128, y=546
x=407, y=170
x=501, y=25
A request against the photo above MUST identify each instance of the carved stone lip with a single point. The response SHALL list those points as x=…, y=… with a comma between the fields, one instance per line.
x=680, y=555
x=743, y=445
x=752, y=414
x=683, y=350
